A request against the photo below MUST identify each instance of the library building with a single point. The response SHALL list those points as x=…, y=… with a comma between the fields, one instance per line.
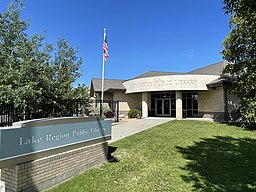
x=201, y=93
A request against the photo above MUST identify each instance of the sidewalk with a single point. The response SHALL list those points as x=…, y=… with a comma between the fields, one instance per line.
x=122, y=130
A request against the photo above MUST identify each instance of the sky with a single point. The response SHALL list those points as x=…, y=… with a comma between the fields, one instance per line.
x=142, y=35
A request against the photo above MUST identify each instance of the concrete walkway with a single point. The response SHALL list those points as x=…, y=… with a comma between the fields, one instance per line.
x=122, y=130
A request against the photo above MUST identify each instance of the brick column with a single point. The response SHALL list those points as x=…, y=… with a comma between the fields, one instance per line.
x=144, y=105
x=178, y=105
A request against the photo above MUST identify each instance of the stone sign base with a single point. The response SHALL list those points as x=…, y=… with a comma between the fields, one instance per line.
x=44, y=173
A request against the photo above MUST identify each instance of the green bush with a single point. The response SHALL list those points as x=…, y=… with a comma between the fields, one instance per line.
x=134, y=113
x=109, y=114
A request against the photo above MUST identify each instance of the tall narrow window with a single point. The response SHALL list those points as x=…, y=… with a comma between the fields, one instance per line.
x=190, y=104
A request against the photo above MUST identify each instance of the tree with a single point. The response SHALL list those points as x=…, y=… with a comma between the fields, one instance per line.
x=66, y=69
x=240, y=52
x=29, y=70
x=19, y=57
x=81, y=92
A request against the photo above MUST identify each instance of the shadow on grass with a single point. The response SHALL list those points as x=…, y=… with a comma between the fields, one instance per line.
x=233, y=123
x=111, y=158
x=241, y=126
x=108, y=150
x=222, y=164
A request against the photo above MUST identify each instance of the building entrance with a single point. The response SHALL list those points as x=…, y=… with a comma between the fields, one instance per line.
x=163, y=104
x=163, y=107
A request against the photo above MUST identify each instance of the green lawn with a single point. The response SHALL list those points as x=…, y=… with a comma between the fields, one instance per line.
x=177, y=156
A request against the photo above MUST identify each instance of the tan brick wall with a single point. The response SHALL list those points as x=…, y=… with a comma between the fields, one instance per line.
x=211, y=100
x=127, y=101
x=46, y=172
x=107, y=96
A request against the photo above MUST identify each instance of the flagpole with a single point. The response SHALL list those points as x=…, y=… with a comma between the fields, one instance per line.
x=102, y=78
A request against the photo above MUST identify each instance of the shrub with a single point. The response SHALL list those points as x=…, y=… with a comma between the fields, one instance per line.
x=134, y=113
x=109, y=114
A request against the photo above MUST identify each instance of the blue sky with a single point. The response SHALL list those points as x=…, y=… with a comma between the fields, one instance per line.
x=143, y=35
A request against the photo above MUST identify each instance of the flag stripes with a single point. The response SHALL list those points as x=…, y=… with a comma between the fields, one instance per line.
x=105, y=49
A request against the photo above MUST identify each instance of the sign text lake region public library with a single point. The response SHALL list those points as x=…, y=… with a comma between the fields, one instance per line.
x=49, y=137
x=15, y=142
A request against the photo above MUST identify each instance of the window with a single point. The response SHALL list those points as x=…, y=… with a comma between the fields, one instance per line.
x=190, y=104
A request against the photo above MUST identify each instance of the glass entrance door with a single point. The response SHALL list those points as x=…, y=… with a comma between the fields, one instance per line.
x=163, y=104
x=159, y=107
x=163, y=107
x=166, y=107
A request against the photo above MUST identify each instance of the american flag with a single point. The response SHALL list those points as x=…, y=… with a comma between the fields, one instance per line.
x=105, y=49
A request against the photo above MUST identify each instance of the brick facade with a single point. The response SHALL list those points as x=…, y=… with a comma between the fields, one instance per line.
x=211, y=103
x=44, y=173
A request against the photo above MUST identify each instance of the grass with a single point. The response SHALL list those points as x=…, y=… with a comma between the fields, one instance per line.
x=176, y=156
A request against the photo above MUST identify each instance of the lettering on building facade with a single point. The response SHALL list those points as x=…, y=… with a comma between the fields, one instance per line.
x=172, y=82
x=163, y=83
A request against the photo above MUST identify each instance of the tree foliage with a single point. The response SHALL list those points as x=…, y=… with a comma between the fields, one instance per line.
x=66, y=66
x=81, y=92
x=240, y=52
x=30, y=68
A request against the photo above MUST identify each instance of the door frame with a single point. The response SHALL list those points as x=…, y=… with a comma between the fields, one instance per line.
x=163, y=107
